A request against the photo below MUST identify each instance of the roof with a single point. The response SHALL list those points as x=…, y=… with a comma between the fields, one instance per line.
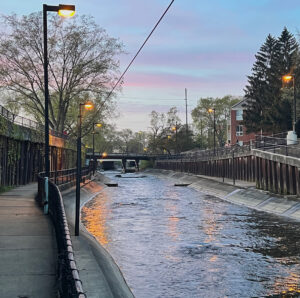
x=238, y=106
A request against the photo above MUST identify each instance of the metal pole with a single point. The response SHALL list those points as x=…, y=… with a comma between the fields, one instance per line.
x=94, y=162
x=214, y=131
x=295, y=106
x=78, y=175
x=186, y=115
x=176, y=137
x=47, y=162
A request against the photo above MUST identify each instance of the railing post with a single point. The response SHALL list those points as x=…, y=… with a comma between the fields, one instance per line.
x=46, y=201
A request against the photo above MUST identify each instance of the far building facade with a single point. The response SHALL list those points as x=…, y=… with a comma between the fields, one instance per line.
x=236, y=131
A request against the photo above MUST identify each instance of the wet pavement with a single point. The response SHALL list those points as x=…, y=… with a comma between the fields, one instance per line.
x=176, y=242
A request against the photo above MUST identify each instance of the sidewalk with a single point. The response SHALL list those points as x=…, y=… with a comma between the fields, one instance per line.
x=238, y=183
x=27, y=246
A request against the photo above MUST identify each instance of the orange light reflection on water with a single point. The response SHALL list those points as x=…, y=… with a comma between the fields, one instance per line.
x=94, y=217
x=287, y=286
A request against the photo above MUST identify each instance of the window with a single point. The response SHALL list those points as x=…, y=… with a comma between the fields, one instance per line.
x=239, y=130
x=239, y=114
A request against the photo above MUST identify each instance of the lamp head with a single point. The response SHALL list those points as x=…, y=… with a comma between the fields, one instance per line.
x=104, y=154
x=98, y=124
x=287, y=78
x=88, y=105
x=66, y=11
x=211, y=110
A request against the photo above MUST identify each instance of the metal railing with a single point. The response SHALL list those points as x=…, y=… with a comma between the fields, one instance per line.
x=69, y=283
x=277, y=145
x=67, y=175
x=210, y=153
x=25, y=122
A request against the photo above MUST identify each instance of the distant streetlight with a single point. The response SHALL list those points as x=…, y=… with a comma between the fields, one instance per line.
x=94, y=158
x=87, y=106
x=174, y=128
x=213, y=110
x=62, y=10
x=287, y=79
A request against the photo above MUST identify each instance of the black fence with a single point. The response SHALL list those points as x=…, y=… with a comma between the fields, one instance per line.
x=69, y=283
x=68, y=175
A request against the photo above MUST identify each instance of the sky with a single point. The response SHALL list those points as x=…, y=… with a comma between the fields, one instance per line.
x=207, y=47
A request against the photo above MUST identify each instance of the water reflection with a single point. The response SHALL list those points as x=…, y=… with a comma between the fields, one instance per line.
x=95, y=217
x=176, y=242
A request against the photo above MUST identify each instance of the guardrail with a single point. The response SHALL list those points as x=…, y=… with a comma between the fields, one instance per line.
x=69, y=283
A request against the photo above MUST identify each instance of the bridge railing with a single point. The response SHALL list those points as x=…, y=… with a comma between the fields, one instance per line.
x=69, y=283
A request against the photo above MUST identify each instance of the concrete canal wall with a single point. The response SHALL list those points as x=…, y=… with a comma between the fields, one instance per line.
x=100, y=275
x=288, y=206
x=271, y=171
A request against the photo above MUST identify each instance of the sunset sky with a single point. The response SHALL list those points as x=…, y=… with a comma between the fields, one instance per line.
x=207, y=47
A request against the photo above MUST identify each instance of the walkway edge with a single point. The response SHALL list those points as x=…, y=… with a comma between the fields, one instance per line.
x=105, y=261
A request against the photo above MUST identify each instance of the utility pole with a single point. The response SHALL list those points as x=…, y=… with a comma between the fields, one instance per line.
x=186, y=116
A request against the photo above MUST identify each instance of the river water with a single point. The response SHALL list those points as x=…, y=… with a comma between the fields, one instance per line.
x=177, y=242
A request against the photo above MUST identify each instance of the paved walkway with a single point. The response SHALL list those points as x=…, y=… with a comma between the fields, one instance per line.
x=238, y=183
x=27, y=246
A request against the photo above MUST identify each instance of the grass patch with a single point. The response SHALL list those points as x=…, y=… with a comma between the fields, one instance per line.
x=5, y=188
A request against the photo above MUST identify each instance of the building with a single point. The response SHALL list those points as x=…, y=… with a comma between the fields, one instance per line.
x=236, y=131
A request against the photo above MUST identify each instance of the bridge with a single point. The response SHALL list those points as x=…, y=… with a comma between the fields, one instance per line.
x=123, y=157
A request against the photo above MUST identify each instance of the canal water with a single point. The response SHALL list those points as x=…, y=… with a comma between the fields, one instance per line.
x=177, y=242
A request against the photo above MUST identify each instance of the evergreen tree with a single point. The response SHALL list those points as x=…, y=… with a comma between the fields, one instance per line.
x=267, y=107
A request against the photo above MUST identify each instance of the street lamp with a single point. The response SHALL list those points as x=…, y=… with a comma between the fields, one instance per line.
x=87, y=106
x=213, y=110
x=94, y=159
x=287, y=79
x=66, y=11
x=174, y=128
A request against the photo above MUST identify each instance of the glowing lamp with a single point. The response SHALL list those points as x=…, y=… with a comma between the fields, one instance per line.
x=66, y=11
x=88, y=106
x=287, y=78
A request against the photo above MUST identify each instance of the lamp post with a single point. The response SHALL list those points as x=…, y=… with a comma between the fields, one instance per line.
x=213, y=110
x=65, y=11
x=87, y=106
x=94, y=158
x=287, y=79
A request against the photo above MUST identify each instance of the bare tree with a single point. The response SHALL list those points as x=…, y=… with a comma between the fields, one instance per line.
x=82, y=65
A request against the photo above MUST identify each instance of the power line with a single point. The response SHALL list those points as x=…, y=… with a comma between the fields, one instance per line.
x=119, y=80
x=147, y=98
